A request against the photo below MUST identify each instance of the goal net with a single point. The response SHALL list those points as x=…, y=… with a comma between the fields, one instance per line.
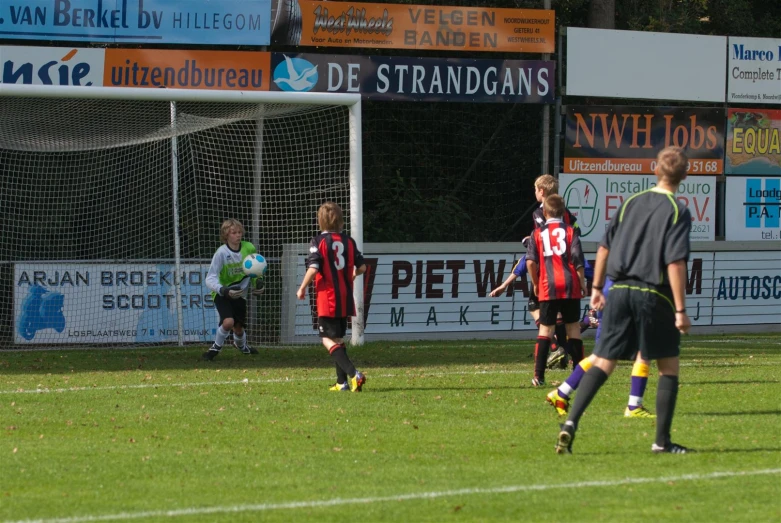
x=111, y=202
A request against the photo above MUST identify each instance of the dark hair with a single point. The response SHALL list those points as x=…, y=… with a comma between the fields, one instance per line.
x=553, y=206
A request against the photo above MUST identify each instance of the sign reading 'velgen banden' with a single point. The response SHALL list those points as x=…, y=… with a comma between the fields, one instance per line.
x=199, y=22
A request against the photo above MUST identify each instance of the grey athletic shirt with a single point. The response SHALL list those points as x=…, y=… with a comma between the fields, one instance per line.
x=649, y=232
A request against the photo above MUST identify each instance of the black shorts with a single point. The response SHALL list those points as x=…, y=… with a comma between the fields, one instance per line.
x=637, y=317
x=229, y=308
x=569, y=309
x=534, y=302
x=334, y=328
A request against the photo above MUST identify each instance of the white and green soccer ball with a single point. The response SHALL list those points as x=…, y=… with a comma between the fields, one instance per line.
x=255, y=266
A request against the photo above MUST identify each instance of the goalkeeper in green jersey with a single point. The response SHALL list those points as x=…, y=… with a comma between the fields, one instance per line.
x=230, y=288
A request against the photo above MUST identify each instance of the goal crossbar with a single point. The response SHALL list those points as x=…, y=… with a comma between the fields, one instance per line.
x=352, y=102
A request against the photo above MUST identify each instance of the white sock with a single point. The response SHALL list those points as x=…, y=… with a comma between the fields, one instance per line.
x=221, y=335
x=240, y=340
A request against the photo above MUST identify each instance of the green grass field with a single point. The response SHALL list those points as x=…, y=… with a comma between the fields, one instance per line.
x=445, y=431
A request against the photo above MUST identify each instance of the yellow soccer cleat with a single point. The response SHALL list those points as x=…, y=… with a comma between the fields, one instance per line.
x=357, y=381
x=560, y=404
x=339, y=387
x=639, y=412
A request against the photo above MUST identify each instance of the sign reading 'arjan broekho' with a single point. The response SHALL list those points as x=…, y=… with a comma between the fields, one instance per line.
x=626, y=139
x=397, y=26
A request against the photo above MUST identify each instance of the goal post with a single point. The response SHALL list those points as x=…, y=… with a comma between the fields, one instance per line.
x=111, y=200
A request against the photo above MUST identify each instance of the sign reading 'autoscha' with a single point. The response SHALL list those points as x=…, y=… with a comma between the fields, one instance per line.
x=199, y=22
x=626, y=140
x=416, y=79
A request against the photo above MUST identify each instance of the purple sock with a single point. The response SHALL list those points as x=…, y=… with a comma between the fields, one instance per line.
x=637, y=391
x=573, y=381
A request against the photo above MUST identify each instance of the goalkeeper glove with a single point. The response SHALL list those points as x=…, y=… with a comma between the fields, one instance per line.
x=260, y=287
x=231, y=291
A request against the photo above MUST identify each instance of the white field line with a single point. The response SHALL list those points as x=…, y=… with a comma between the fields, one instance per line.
x=46, y=390
x=335, y=502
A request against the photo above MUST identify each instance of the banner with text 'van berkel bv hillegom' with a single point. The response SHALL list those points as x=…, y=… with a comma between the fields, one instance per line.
x=397, y=26
x=197, y=22
x=610, y=155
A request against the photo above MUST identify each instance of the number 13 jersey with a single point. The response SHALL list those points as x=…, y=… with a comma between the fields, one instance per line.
x=556, y=248
x=335, y=256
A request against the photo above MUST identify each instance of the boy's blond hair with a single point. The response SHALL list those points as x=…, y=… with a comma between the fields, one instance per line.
x=671, y=164
x=226, y=226
x=553, y=206
x=548, y=184
x=330, y=217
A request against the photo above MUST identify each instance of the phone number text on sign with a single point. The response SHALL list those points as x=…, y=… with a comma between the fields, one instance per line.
x=595, y=198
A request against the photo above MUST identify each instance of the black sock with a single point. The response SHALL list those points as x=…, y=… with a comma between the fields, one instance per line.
x=589, y=386
x=541, y=351
x=341, y=375
x=666, y=395
x=561, y=335
x=339, y=355
x=575, y=350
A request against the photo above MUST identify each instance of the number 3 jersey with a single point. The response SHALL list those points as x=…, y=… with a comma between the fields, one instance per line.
x=556, y=248
x=335, y=256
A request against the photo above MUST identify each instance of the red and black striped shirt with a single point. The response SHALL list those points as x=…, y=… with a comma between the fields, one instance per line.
x=335, y=256
x=556, y=248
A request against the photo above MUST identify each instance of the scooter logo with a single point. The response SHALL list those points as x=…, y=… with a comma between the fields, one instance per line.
x=581, y=198
x=41, y=309
x=295, y=74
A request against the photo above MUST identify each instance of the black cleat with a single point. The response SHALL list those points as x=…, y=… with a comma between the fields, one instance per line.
x=210, y=354
x=565, y=439
x=246, y=349
x=556, y=358
x=670, y=448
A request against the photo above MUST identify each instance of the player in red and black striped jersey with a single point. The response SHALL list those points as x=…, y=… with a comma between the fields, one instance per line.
x=545, y=186
x=555, y=262
x=333, y=263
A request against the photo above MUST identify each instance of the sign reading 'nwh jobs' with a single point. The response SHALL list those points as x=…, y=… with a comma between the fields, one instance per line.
x=626, y=140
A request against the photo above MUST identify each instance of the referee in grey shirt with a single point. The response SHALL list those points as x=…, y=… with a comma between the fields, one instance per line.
x=644, y=251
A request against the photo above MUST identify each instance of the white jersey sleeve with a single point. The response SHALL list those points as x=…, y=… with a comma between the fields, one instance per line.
x=213, y=276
